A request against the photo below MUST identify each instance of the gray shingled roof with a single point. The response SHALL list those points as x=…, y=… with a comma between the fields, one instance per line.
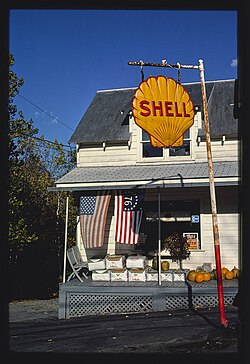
x=105, y=118
x=105, y=175
x=221, y=110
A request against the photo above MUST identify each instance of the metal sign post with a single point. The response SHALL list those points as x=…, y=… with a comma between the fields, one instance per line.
x=159, y=236
x=200, y=67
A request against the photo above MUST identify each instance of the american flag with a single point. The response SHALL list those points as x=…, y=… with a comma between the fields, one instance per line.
x=93, y=214
x=128, y=215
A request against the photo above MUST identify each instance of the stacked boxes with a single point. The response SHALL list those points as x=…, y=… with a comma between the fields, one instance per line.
x=133, y=269
x=116, y=264
x=136, y=265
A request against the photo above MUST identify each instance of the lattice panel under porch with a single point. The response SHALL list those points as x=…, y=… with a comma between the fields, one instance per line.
x=210, y=301
x=80, y=305
x=179, y=302
x=176, y=302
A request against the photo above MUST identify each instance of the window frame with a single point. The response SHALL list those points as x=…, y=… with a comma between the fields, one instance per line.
x=166, y=157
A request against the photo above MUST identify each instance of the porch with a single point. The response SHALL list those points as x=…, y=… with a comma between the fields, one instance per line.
x=78, y=299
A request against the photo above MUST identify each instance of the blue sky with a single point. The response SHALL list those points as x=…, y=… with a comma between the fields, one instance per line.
x=65, y=56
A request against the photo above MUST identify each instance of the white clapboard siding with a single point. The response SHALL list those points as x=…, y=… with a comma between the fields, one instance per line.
x=227, y=151
x=123, y=155
x=113, y=155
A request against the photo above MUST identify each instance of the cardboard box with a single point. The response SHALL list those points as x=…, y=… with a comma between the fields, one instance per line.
x=151, y=275
x=101, y=275
x=167, y=276
x=179, y=276
x=136, y=261
x=137, y=275
x=119, y=275
x=115, y=261
x=96, y=263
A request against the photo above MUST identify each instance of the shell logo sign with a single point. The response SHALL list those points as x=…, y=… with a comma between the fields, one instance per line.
x=163, y=108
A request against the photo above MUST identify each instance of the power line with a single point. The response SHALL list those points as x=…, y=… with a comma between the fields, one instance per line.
x=38, y=107
x=48, y=141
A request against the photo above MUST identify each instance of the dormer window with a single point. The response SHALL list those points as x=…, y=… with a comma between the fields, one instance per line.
x=147, y=150
x=151, y=153
x=185, y=149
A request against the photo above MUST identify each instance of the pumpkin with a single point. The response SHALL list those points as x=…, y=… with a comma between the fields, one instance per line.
x=213, y=274
x=199, y=277
x=229, y=275
x=236, y=272
x=165, y=265
x=206, y=276
x=155, y=264
x=224, y=270
x=191, y=275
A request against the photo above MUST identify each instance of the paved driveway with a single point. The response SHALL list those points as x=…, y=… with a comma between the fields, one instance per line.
x=34, y=328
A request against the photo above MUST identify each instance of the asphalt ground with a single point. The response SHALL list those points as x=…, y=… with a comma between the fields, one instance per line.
x=34, y=328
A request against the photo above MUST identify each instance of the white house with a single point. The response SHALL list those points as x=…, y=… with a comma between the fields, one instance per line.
x=113, y=153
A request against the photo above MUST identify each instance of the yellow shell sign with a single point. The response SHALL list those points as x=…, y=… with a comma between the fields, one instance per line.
x=163, y=108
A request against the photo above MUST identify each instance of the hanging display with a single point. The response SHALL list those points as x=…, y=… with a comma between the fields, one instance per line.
x=163, y=108
x=93, y=213
x=128, y=216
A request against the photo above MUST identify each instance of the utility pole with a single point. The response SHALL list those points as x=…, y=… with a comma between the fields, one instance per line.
x=200, y=68
x=224, y=322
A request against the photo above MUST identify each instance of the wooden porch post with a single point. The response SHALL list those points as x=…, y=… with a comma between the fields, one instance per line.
x=65, y=239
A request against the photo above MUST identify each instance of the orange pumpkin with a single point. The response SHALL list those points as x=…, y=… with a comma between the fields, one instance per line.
x=236, y=272
x=206, y=276
x=229, y=275
x=199, y=277
x=191, y=275
x=224, y=270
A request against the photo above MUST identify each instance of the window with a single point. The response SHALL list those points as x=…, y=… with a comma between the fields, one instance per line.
x=184, y=150
x=147, y=150
x=165, y=153
x=181, y=216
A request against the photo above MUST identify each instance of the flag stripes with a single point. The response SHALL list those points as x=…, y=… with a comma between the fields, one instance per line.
x=127, y=218
x=93, y=214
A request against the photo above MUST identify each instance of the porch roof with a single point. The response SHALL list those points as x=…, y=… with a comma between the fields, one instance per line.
x=148, y=176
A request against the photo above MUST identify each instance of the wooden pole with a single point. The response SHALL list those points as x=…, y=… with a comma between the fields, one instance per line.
x=163, y=64
x=65, y=239
x=223, y=319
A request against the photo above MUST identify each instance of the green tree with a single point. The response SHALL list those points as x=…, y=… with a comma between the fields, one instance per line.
x=36, y=216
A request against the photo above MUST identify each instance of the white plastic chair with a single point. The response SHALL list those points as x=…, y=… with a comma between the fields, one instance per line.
x=76, y=263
